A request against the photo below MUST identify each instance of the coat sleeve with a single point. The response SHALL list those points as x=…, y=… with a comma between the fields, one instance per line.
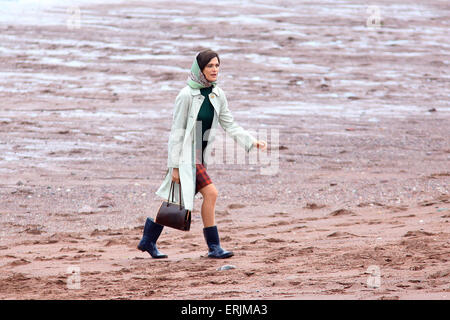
x=239, y=135
x=177, y=131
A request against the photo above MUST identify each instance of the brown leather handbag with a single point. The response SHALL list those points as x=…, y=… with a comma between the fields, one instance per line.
x=174, y=215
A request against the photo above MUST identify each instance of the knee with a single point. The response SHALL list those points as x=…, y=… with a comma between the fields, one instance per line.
x=211, y=194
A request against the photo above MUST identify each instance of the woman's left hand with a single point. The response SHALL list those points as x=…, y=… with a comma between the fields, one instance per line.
x=260, y=144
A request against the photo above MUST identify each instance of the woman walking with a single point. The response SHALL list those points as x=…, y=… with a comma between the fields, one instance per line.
x=199, y=107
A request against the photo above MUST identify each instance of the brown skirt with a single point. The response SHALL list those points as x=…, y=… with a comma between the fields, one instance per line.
x=202, y=177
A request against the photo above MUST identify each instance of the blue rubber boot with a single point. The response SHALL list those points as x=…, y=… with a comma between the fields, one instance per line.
x=152, y=231
x=212, y=239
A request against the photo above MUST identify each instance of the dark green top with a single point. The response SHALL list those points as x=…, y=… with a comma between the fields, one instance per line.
x=205, y=115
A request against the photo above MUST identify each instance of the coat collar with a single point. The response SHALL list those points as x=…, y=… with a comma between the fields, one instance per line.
x=195, y=92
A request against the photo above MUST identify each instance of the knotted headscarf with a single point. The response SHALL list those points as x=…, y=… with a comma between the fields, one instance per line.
x=197, y=79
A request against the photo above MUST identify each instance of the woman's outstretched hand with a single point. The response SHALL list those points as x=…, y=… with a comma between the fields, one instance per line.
x=260, y=144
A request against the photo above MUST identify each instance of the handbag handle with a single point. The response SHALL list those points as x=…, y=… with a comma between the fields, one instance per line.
x=172, y=190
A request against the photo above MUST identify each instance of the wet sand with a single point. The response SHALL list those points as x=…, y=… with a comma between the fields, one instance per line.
x=364, y=151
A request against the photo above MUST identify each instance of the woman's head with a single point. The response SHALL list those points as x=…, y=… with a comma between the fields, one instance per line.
x=209, y=63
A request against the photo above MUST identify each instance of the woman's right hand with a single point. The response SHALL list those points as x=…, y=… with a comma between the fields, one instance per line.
x=176, y=175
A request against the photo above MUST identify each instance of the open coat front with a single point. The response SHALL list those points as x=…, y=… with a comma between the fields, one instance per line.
x=184, y=138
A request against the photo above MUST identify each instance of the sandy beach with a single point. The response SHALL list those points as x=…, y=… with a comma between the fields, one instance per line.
x=357, y=114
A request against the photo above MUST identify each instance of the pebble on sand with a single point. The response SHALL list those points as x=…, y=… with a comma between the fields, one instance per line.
x=226, y=267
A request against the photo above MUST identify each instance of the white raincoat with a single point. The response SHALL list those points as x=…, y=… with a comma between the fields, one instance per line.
x=183, y=140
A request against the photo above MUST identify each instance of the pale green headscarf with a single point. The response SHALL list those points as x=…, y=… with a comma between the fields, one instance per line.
x=196, y=79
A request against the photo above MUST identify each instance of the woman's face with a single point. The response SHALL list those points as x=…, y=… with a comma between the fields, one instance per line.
x=211, y=70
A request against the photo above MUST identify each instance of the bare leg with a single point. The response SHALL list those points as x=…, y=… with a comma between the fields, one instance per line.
x=209, y=194
x=210, y=229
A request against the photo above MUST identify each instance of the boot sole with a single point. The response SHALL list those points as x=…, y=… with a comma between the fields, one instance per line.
x=222, y=257
x=157, y=257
